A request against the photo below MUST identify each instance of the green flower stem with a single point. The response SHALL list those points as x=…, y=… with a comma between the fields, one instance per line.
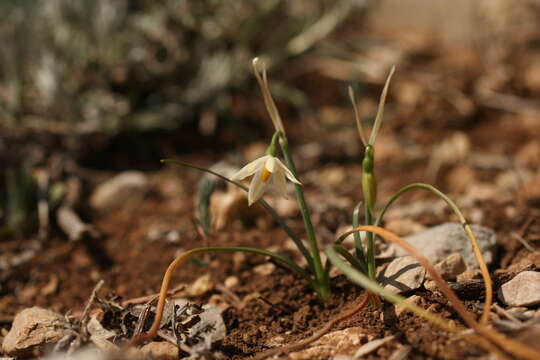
x=369, y=189
x=372, y=273
x=281, y=222
x=466, y=228
x=359, y=249
x=271, y=150
x=320, y=275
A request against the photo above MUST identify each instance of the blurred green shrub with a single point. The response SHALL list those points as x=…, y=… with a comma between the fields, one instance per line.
x=99, y=65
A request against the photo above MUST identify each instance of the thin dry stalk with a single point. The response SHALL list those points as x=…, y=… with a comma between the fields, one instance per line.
x=151, y=334
x=86, y=312
x=151, y=298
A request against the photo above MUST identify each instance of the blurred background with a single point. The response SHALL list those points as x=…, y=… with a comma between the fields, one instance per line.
x=97, y=86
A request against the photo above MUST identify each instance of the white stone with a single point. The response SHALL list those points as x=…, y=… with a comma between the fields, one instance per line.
x=414, y=299
x=231, y=282
x=124, y=187
x=201, y=286
x=33, y=330
x=402, y=274
x=440, y=241
x=337, y=343
x=163, y=350
x=264, y=269
x=522, y=290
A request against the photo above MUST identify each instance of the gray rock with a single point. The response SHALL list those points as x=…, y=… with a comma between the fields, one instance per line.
x=33, y=330
x=440, y=241
x=124, y=187
x=522, y=290
x=402, y=274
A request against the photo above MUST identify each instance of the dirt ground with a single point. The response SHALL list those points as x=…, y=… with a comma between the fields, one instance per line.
x=468, y=124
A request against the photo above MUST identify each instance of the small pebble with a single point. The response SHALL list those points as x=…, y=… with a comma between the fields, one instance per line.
x=451, y=266
x=162, y=350
x=468, y=275
x=414, y=299
x=231, y=282
x=522, y=290
x=125, y=187
x=264, y=269
x=201, y=286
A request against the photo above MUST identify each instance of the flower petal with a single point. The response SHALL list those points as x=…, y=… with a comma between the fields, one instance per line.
x=270, y=164
x=256, y=188
x=280, y=183
x=288, y=173
x=250, y=168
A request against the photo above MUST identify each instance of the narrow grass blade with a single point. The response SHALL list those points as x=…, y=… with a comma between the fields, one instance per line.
x=281, y=222
x=357, y=240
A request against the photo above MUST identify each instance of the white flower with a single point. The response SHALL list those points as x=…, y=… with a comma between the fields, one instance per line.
x=265, y=168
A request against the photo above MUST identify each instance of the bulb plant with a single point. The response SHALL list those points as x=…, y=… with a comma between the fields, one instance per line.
x=360, y=267
x=266, y=170
x=365, y=260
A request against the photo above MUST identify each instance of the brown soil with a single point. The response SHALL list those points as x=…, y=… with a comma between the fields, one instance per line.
x=279, y=305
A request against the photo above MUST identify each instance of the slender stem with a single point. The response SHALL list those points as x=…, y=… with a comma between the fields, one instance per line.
x=151, y=334
x=474, y=243
x=359, y=249
x=281, y=222
x=370, y=246
x=320, y=274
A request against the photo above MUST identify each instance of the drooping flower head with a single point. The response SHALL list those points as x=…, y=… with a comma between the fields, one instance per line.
x=266, y=170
